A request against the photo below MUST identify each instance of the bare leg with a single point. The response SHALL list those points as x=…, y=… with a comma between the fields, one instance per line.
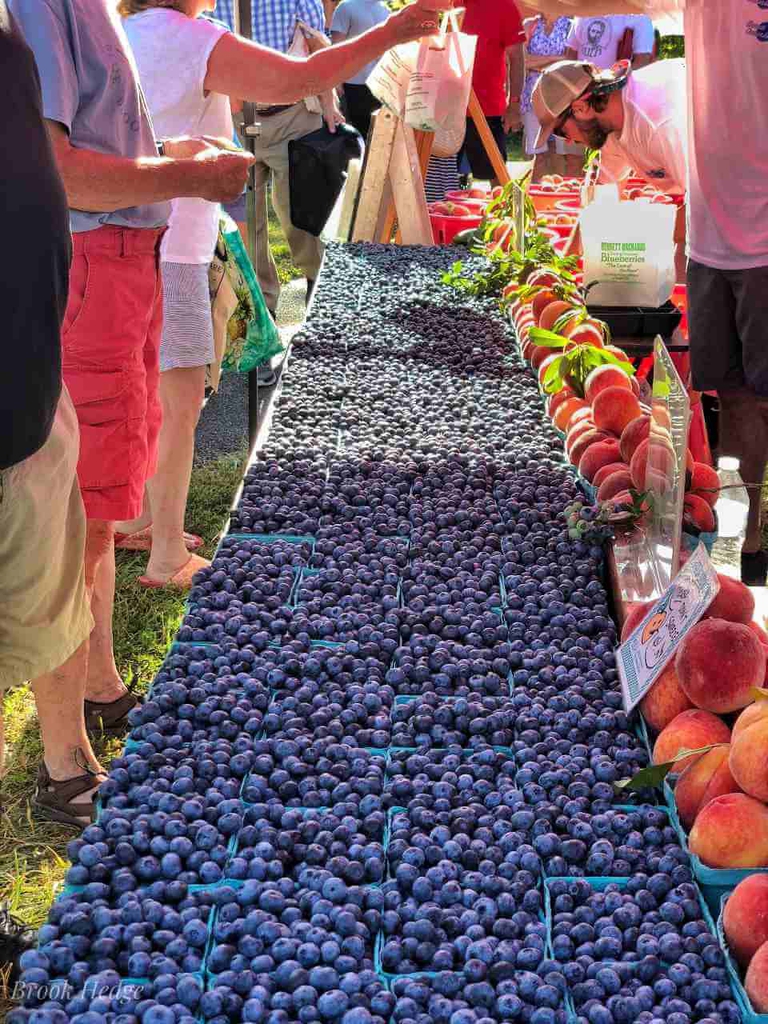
x=133, y=525
x=103, y=682
x=744, y=434
x=59, y=699
x=181, y=393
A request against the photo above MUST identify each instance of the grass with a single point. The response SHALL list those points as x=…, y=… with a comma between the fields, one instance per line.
x=33, y=853
x=286, y=268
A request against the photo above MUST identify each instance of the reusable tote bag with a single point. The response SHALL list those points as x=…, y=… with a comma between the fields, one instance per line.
x=437, y=96
x=246, y=335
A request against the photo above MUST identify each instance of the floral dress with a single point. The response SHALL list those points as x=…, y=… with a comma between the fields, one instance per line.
x=543, y=44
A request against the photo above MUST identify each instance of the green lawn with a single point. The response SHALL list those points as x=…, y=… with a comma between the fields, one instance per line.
x=32, y=853
x=286, y=269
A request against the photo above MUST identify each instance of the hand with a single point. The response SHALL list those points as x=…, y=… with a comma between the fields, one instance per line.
x=184, y=147
x=512, y=120
x=220, y=175
x=415, y=21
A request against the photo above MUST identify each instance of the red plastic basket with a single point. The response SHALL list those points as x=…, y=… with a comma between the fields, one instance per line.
x=445, y=229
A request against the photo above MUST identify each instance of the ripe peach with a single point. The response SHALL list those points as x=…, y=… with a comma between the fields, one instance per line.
x=749, y=758
x=603, y=377
x=699, y=513
x=615, y=484
x=566, y=410
x=745, y=917
x=751, y=714
x=552, y=312
x=705, y=483
x=633, y=434
x=719, y=663
x=575, y=430
x=558, y=398
x=619, y=353
x=614, y=407
x=759, y=632
x=708, y=777
x=734, y=602
x=605, y=471
x=731, y=832
x=596, y=456
x=580, y=415
x=689, y=731
x=756, y=981
x=634, y=617
x=665, y=700
x=540, y=302
x=583, y=442
x=659, y=459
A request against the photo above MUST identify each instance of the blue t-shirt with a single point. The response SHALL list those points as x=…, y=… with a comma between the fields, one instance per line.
x=90, y=85
x=353, y=17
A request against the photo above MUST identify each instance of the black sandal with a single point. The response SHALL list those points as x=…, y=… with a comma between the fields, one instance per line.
x=57, y=800
x=754, y=568
x=110, y=719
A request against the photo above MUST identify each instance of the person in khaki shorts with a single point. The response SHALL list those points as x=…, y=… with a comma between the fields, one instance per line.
x=45, y=619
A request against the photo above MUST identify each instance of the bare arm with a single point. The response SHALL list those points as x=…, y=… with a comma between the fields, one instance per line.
x=100, y=183
x=338, y=37
x=641, y=60
x=570, y=53
x=238, y=67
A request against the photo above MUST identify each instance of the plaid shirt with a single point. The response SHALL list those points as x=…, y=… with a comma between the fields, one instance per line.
x=274, y=21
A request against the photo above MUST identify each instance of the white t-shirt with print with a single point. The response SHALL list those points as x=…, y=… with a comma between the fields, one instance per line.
x=171, y=52
x=654, y=139
x=597, y=39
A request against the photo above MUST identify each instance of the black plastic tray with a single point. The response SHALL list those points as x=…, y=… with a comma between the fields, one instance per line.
x=639, y=321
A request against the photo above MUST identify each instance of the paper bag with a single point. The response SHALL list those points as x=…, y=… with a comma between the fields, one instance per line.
x=629, y=251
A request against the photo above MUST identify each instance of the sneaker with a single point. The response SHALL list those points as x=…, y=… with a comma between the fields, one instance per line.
x=15, y=938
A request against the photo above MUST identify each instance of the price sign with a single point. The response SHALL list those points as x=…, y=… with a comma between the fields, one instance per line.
x=645, y=654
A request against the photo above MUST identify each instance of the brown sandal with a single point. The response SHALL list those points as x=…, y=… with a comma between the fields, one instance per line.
x=109, y=719
x=57, y=800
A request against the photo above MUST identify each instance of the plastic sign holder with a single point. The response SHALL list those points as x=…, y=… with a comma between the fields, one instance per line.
x=666, y=466
x=650, y=648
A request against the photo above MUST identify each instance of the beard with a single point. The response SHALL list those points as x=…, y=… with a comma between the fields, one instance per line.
x=595, y=137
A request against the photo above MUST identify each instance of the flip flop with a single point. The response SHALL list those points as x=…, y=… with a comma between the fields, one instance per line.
x=181, y=579
x=141, y=540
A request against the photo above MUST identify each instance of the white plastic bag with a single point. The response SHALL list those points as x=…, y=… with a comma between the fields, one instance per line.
x=389, y=79
x=438, y=90
x=629, y=250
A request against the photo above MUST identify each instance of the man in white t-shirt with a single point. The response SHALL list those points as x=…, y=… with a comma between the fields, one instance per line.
x=637, y=118
x=350, y=19
x=727, y=72
x=598, y=39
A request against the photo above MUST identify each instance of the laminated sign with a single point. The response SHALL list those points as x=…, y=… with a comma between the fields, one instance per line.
x=647, y=652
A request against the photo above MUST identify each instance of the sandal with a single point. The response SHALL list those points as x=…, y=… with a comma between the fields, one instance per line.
x=57, y=801
x=110, y=718
x=754, y=568
x=181, y=579
x=141, y=540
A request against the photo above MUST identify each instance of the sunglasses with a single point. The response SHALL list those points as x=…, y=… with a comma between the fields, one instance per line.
x=561, y=122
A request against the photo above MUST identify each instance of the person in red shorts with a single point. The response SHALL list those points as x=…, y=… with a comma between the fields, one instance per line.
x=497, y=77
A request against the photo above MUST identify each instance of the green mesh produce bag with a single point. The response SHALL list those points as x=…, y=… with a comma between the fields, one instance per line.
x=251, y=335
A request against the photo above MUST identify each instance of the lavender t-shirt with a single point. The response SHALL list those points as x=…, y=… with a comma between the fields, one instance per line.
x=90, y=85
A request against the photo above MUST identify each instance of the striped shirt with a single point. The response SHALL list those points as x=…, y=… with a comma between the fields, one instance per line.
x=274, y=21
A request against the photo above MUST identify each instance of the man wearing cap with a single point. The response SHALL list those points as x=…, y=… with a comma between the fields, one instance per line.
x=727, y=78
x=637, y=119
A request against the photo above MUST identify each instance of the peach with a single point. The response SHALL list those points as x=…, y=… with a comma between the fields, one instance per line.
x=600, y=454
x=734, y=602
x=698, y=513
x=556, y=400
x=615, y=484
x=540, y=301
x=583, y=441
x=731, y=832
x=540, y=355
x=745, y=917
x=575, y=430
x=705, y=483
x=603, y=377
x=749, y=758
x=759, y=632
x=636, y=430
x=605, y=471
x=638, y=465
x=719, y=663
x=615, y=407
x=665, y=700
x=708, y=777
x=566, y=410
x=634, y=617
x=756, y=981
x=552, y=312
x=689, y=731
x=752, y=713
